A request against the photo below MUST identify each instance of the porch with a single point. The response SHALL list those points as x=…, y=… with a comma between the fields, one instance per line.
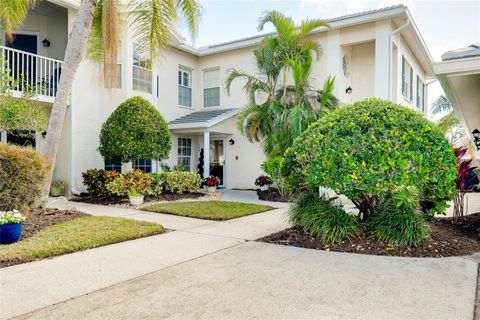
x=210, y=131
x=34, y=54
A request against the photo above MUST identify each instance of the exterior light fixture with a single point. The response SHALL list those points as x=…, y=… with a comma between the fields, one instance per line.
x=46, y=43
x=231, y=141
x=348, y=90
x=44, y=134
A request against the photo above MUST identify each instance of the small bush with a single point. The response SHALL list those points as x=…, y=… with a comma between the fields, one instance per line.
x=323, y=218
x=22, y=174
x=398, y=219
x=96, y=181
x=58, y=188
x=158, y=183
x=272, y=168
x=181, y=181
x=135, y=182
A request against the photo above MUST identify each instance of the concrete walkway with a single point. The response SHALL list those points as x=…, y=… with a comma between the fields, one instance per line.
x=209, y=270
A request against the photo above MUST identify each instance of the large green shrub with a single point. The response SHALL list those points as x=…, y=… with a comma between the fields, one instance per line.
x=135, y=130
x=323, y=218
x=181, y=181
x=368, y=149
x=96, y=181
x=22, y=174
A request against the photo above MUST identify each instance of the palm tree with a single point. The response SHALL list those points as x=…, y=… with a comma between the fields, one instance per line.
x=277, y=114
x=152, y=21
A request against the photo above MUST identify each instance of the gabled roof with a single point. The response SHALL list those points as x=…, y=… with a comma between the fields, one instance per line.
x=202, y=119
x=468, y=52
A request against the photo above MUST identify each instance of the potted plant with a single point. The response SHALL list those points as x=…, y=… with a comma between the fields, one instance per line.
x=135, y=197
x=58, y=188
x=263, y=182
x=10, y=226
x=212, y=183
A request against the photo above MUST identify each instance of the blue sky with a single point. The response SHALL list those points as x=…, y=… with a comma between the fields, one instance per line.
x=444, y=25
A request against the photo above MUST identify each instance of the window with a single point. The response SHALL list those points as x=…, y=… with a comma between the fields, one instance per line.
x=211, y=91
x=184, y=87
x=144, y=165
x=117, y=82
x=420, y=95
x=141, y=71
x=184, y=152
x=407, y=80
x=114, y=166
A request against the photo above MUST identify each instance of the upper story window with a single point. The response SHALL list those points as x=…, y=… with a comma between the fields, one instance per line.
x=117, y=82
x=184, y=87
x=141, y=71
x=211, y=85
x=407, y=79
x=420, y=94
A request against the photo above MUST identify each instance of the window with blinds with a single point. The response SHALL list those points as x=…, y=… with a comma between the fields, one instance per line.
x=184, y=87
x=211, y=85
x=184, y=152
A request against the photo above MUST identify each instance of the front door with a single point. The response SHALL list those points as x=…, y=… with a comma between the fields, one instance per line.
x=20, y=64
x=217, y=159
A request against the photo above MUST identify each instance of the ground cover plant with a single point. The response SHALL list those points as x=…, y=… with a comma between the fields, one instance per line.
x=212, y=210
x=80, y=233
x=385, y=158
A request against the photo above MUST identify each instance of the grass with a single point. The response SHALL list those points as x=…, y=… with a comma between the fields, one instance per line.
x=75, y=235
x=212, y=210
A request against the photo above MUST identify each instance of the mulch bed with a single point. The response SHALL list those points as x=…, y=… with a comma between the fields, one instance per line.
x=113, y=200
x=39, y=219
x=444, y=240
x=271, y=195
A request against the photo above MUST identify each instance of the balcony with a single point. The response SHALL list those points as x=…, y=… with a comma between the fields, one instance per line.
x=39, y=73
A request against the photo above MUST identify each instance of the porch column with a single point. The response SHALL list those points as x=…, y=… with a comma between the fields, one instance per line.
x=383, y=52
x=206, y=154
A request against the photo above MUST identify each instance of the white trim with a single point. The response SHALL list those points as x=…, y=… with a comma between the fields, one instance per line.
x=206, y=124
x=464, y=66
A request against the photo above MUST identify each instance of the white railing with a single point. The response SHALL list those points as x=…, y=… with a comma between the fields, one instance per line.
x=40, y=73
x=142, y=79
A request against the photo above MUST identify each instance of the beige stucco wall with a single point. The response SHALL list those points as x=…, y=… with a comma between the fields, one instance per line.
x=363, y=71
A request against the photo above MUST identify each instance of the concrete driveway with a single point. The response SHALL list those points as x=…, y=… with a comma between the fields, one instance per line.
x=213, y=270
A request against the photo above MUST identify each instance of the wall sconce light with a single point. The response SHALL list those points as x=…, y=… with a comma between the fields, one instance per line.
x=348, y=90
x=231, y=141
x=476, y=138
x=46, y=43
x=44, y=134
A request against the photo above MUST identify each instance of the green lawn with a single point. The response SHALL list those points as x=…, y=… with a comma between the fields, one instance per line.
x=213, y=210
x=75, y=235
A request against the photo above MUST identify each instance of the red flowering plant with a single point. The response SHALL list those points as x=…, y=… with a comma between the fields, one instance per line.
x=211, y=181
x=263, y=180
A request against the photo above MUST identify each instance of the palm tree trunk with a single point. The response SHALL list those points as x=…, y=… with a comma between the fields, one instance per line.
x=76, y=47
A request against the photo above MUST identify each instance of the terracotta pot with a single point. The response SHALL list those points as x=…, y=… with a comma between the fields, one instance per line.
x=136, y=200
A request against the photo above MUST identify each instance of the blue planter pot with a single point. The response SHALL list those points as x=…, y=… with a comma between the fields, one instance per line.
x=10, y=232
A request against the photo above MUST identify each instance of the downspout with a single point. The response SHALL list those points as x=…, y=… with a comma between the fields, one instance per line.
x=73, y=101
x=403, y=26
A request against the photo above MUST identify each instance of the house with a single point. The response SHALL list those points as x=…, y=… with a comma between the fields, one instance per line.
x=378, y=53
x=459, y=76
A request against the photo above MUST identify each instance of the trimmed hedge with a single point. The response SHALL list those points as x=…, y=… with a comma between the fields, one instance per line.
x=135, y=130
x=181, y=181
x=96, y=181
x=370, y=148
x=22, y=174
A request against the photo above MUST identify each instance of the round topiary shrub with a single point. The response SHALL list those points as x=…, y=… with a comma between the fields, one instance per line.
x=135, y=130
x=22, y=175
x=368, y=150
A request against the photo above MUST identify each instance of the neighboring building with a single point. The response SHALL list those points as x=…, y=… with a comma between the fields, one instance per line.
x=378, y=53
x=459, y=75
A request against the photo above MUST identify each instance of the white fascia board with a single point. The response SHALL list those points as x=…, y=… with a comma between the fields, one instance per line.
x=72, y=4
x=462, y=66
x=421, y=43
x=338, y=23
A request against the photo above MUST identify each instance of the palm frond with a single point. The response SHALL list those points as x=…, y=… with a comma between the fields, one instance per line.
x=12, y=13
x=441, y=104
x=307, y=26
x=448, y=122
